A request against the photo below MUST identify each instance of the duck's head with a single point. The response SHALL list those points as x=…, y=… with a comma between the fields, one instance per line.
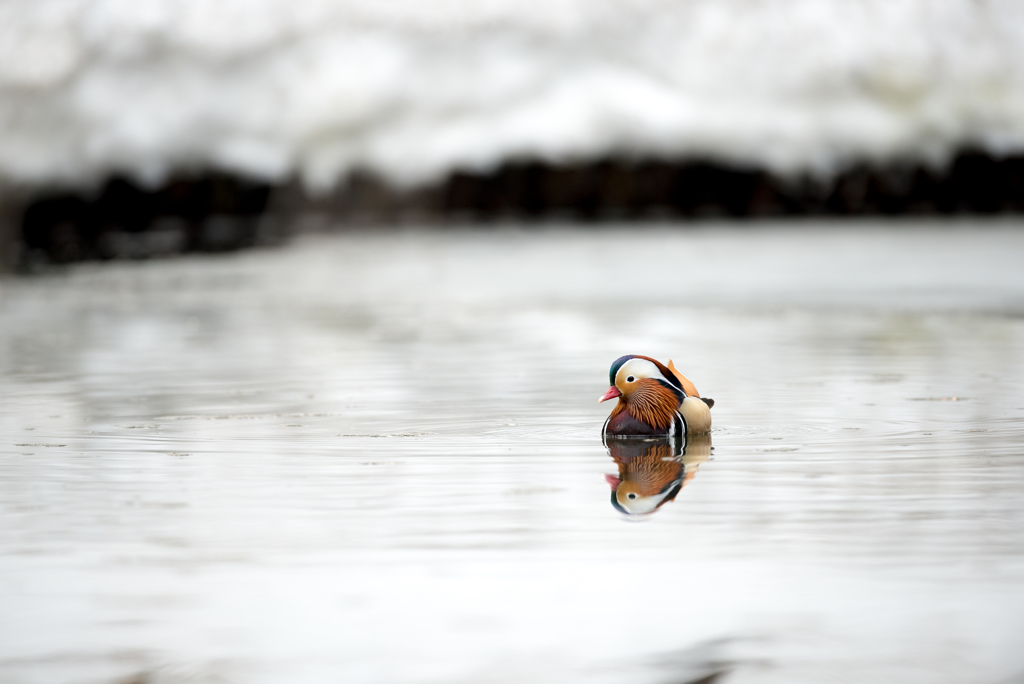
x=631, y=374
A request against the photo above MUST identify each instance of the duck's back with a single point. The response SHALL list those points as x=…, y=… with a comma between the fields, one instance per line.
x=697, y=414
x=696, y=410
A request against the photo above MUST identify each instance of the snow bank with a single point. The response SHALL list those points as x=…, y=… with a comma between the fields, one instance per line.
x=414, y=88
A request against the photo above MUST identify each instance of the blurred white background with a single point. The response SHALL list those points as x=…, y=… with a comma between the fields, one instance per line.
x=411, y=89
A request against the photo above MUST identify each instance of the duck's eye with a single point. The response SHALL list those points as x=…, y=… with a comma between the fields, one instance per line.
x=630, y=379
x=631, y=496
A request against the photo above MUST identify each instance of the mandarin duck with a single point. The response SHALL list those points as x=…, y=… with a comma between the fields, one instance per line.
x=653, y=472
x=654, y=400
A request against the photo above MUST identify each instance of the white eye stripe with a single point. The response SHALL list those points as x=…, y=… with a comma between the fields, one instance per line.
x=639, y=369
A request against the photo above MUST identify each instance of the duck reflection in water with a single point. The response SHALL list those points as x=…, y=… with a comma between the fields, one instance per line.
x=653, y=471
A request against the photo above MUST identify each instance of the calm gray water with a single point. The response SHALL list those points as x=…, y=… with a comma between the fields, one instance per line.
x=375, y=458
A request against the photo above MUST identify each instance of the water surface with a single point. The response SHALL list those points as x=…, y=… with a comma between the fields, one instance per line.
x=375, y=457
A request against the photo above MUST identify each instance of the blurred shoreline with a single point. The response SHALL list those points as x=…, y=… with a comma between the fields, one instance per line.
x=218, y=212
